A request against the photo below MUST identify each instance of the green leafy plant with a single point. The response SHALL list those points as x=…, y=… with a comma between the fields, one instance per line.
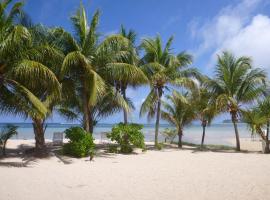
x=127, y=135
x=81, y=143
x=6, y=133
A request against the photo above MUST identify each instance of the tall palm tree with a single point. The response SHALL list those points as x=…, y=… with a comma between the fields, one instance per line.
x=256, y=120
x=124, y=70
x=79, y=70
x=163, y=68
x=179, y=112
x=236, y=83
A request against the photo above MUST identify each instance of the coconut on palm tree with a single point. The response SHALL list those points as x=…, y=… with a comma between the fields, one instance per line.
x=179, y=112
x=236, y=83
x=163, y=68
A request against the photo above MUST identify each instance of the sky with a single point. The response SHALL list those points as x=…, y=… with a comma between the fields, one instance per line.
x=202, y=28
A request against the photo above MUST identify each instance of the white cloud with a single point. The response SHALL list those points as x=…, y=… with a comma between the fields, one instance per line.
x=236, y=28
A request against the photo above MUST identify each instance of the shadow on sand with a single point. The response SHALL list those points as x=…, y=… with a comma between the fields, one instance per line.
x=27, y=158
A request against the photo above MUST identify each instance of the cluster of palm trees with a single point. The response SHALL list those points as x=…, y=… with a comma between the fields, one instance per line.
x=81, y=76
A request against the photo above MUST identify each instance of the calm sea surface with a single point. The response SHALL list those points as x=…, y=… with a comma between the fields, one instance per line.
x=215, y=134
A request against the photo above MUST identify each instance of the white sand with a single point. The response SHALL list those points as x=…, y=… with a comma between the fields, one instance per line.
x=167, y=174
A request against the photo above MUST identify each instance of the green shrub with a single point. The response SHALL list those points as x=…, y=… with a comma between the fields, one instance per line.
x=160, y=146
x=81, y=143
x=126, y=136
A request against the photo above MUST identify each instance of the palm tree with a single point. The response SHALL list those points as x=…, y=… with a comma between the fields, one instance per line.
x=236, y=83
x=264, y=109
x=163, y=68
x=79, y=71
x=179, y=112
x=6, y=133
x=205, y=108
x=256, y=120
x=124, y=70
x=12, y=42
x=37, y=69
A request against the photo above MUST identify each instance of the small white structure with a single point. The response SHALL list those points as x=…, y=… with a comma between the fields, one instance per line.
x=58, y=138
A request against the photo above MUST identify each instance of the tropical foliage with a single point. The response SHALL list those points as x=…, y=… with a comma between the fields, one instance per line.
x=85, y=77
x=127, y=135
x=236, y=83
x=5, y=134
x=179, y=112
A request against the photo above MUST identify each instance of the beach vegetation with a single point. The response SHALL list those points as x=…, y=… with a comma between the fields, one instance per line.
x=80, y=144
x=6, y=133
x=127, y=136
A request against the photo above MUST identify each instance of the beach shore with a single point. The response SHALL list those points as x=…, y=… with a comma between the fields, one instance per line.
x=166, y=174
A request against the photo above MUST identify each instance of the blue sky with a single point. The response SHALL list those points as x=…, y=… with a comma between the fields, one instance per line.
x=203, y=28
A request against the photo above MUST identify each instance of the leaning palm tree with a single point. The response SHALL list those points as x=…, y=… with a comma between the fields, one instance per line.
x=78, y=67
x=123, y=67
x=264, y=108
x=236, y=83
x=179, y=112
x=256, y=120
x=163, y=68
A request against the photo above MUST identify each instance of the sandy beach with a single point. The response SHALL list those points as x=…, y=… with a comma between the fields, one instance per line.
x=166, y=174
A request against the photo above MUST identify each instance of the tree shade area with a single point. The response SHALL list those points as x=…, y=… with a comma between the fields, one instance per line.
x=82, y=76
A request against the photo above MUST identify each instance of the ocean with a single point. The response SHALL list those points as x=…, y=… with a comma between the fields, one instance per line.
x=220, y=133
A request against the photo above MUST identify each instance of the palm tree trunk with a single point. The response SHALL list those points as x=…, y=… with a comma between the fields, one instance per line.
x=124, y=110
x=203, y=135
x=180, y=135
x=38, y=126
x=91, y=125
x=234, y=121
x=159, y=91
x=86, y=117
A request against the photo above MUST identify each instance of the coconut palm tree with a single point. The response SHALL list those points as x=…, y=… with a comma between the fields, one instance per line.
x=79, y=68
x=6, y=133
x=178, y=112
x=205, y=108
x=124, y=70
x=36, y=68
x=264, y=109
x=256, y=120
x=236, y=83
x=12, y=42
x=163, y=68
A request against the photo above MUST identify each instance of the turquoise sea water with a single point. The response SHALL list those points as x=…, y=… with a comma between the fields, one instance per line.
x=215, y=134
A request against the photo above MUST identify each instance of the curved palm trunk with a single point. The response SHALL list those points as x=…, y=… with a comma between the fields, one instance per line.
x=38, y=126
x=203, y=135
x=124, y=110
x=159, y=91
x=180, y=135
x=234, y=121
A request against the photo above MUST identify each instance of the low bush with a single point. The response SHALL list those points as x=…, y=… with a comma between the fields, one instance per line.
x=81, y=143
x=127, y=136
